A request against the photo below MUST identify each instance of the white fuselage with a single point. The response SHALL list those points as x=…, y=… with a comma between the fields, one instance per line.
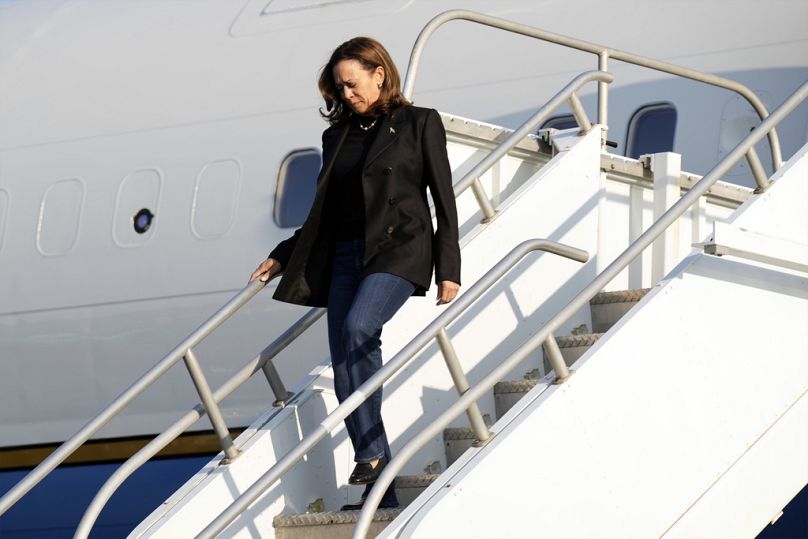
x=188, y=108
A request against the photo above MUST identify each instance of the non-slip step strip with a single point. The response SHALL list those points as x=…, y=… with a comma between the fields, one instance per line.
x=619, y=296
x=415, y=481
x=458, y=433
x=573, y=341
x=513, y=386
x=332, y=517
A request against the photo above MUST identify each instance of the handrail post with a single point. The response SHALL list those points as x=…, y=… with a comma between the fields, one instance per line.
x=579, y=113
x=282, y=396
x=666, y=169
x=556, y=359
x=482, y=200
x=757, y=170
x=603, y=98
x=225, y=440
x=461, y=383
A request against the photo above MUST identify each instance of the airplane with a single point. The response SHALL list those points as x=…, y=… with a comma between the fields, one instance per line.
x=152, y=153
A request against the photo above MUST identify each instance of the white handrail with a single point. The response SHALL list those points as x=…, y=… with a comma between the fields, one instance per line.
x=603, y=53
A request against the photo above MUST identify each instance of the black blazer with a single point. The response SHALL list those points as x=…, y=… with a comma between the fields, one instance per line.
x=407, y=156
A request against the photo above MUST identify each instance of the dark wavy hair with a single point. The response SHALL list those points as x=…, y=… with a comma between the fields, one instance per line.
x=370, y=54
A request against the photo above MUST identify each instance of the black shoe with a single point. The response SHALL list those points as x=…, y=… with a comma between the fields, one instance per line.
x=364, y=473
x=361, y=503
x=353, y=506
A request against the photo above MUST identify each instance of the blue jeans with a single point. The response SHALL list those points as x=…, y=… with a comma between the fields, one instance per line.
x=357, y=309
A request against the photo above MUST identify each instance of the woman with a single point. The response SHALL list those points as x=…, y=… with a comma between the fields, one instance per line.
x=368, y=243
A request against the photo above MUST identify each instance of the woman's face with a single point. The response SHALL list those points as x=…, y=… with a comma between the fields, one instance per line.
x=358, y=87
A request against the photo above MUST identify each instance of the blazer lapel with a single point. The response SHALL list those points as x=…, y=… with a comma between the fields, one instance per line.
x=388, y=133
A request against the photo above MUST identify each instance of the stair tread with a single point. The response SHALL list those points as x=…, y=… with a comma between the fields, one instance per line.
x=570, y=341
x=415, y=481
x=514, y=386
x=619, y=296
x=332, y=517
x=458, y=433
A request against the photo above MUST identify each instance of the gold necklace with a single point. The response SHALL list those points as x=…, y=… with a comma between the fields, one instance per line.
x=368, y=128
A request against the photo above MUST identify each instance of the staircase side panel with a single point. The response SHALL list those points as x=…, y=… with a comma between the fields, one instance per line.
x=756, y=488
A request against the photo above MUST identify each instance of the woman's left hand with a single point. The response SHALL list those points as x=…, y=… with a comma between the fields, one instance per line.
x=447, y=290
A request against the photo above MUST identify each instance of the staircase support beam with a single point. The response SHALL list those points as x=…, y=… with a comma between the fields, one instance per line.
x=666, y=168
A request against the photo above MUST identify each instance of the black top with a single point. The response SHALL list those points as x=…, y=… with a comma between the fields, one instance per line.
x=345, y=200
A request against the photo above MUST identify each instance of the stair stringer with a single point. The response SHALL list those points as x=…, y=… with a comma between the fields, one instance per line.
x=564, y=196
x=687, y=419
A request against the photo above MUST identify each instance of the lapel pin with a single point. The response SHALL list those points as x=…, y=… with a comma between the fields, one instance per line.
x=392, y=131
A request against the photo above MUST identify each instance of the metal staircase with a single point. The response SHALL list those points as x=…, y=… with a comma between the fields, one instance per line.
x=606, y=309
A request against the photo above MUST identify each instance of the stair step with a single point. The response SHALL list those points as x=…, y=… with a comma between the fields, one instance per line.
x=340, y=523
x=409, y=487
x=331, y=525
x=608, y=307
x=508, y=393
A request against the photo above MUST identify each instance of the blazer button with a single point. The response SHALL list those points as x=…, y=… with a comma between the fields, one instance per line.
x=387, y=171
x=389, y=229
x=391, y=200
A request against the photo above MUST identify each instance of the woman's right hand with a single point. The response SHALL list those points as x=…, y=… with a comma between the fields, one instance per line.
x=266, y=270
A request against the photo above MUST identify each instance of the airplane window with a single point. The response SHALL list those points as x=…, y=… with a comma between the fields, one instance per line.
x=60, y=217
x=297, y=181
x=216, y=196
x=651, y=130
x=564, y=121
